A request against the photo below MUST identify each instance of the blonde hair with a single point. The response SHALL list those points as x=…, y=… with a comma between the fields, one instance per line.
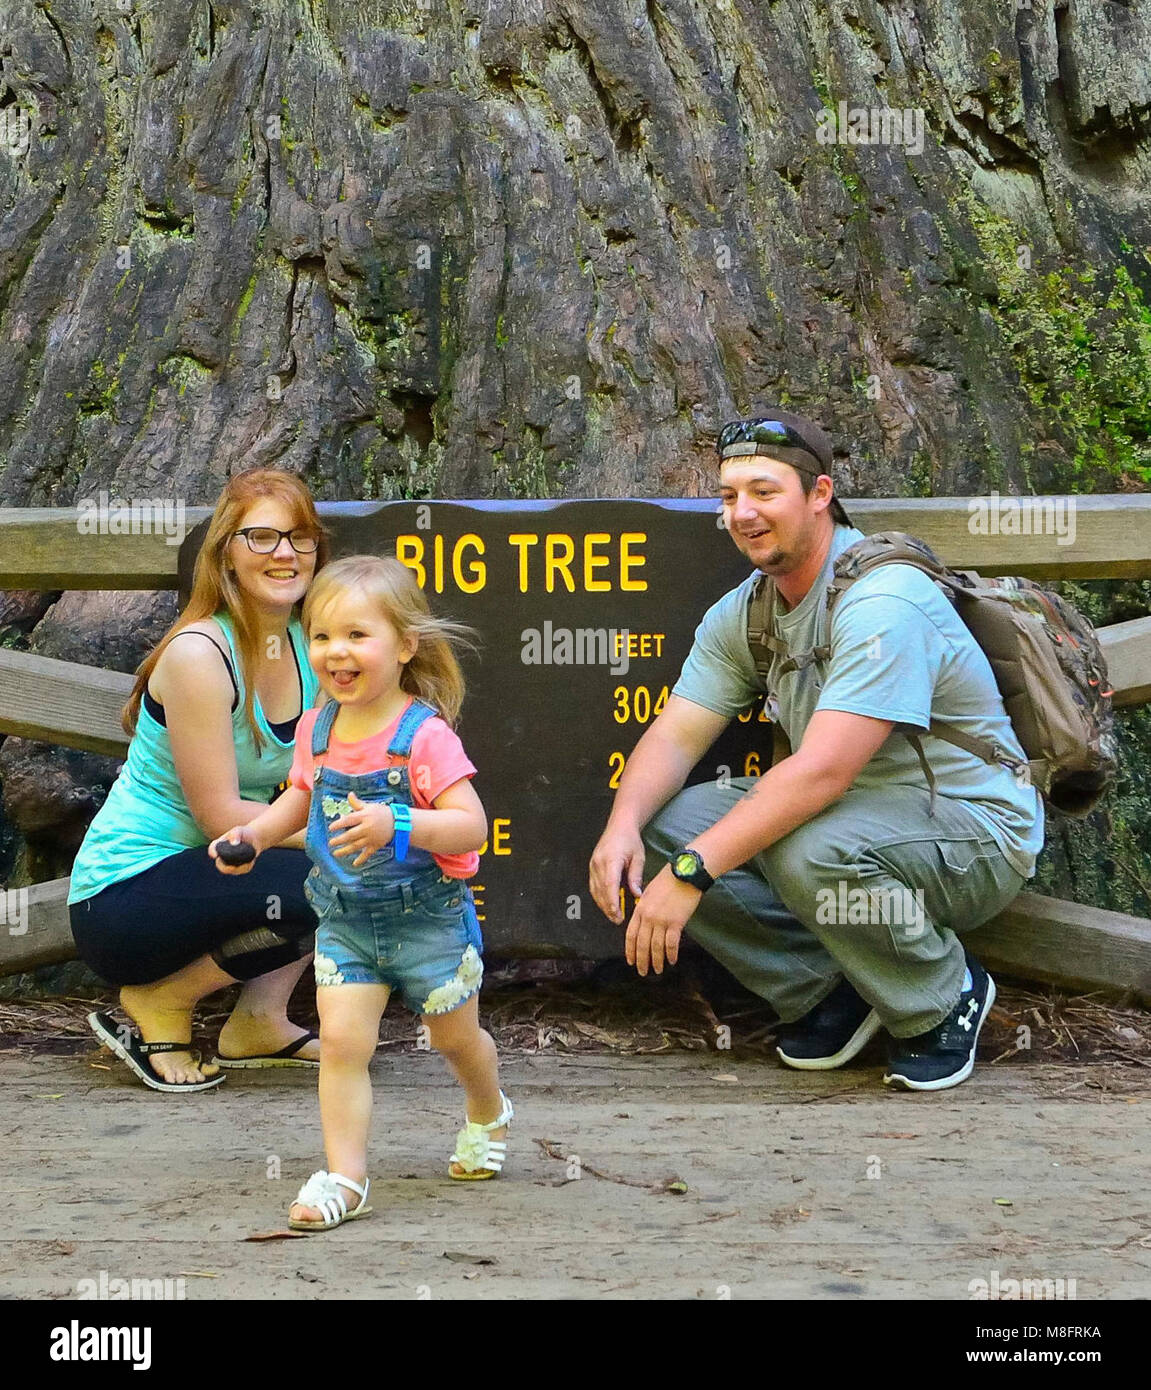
x=214, y=586
x=433, y=674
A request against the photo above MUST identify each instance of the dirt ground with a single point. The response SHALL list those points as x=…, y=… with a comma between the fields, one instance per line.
x=644, y=1163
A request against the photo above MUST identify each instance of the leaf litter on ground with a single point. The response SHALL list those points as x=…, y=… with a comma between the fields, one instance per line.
x=607, y=1009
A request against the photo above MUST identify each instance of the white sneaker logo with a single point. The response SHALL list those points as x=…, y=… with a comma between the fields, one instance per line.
x=965, y=1021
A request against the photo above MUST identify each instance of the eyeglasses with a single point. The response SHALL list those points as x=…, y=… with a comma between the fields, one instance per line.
x=772, y=433
x=264, y=539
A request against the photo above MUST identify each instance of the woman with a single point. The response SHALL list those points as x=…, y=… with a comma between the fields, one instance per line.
x=213, y=716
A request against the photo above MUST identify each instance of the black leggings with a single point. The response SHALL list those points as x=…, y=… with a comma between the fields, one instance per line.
x=151, y=925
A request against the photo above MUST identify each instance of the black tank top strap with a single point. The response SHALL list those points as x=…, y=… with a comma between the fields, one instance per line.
x=285, y=731
x=156, y=710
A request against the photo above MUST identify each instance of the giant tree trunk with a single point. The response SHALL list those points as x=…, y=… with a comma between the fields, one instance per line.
x=547, y=246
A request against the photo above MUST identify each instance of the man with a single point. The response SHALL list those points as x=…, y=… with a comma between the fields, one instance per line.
x=832, y=886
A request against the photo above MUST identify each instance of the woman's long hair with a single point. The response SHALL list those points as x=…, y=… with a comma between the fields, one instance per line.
x=214, y=587
x=433, y=674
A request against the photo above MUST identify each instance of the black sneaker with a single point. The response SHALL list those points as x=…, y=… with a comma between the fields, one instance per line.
x=945, y=1055
x=830, y=1034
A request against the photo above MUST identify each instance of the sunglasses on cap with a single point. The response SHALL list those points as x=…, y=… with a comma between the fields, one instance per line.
x=746, y=437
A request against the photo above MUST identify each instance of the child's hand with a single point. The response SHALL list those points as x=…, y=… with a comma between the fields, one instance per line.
x=370, y=827
x=238, y=835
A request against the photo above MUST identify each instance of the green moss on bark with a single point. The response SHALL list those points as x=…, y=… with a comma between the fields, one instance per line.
x=1080, y=340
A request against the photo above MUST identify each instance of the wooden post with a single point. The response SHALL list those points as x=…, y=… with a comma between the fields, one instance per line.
x=43, y=936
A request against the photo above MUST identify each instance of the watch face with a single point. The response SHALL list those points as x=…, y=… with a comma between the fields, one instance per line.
x=686, y=863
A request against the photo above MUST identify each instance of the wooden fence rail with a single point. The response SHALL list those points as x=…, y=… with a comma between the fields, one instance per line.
x=45, y=548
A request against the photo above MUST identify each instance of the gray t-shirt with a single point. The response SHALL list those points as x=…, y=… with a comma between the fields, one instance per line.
x=899, y=651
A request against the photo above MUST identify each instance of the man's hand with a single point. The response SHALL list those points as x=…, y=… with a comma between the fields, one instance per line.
x=619, y=853
x=370, y=827
x=658, y=921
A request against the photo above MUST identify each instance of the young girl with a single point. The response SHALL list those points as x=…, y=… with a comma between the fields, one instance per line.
x=393, y=829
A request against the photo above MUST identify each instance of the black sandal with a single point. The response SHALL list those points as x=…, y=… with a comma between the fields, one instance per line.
x=135, y=1052
x=286, y=1057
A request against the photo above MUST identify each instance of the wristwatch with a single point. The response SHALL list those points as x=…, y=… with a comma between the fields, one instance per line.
x=402, y=821
x=688, y=867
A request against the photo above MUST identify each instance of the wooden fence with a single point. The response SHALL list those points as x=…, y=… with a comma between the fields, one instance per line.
x=1042, y=938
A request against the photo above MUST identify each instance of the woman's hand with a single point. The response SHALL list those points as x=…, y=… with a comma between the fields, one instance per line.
x=239, y=834
x=370, y=827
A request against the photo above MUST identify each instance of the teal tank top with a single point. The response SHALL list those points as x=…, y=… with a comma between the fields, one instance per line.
x=146, y=818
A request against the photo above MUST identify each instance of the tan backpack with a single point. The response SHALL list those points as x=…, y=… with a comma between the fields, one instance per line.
x=1044, y=653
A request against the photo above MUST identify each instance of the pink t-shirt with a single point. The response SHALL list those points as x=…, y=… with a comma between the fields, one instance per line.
x=437, y=762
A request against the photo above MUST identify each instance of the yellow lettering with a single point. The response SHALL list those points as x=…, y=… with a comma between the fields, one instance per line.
x=410, y=552
x=592, y=562
x=478, y=570
x=438, y=552
x=559, y=558
x=559, y=553
x=500, y=838
x=521, y=542
x=640, y=644
x=749, y=714
x=628, y=561
x=637, y=704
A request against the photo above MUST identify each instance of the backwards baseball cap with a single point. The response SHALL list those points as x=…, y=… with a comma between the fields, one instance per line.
x=791, y=439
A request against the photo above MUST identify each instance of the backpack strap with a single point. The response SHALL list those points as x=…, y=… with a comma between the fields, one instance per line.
x=761, y=638
x=760, y=624
x=915, y=742
x=989, y=752
x=764, y=645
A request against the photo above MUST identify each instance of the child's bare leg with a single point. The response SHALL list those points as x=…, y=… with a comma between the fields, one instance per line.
x=471, y=1054
x=349, y=1032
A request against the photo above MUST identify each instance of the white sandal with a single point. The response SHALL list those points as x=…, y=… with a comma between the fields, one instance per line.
x=322, y=1191
x=477, y=1154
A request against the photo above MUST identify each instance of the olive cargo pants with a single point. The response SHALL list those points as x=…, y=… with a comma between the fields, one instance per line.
x=871, y=889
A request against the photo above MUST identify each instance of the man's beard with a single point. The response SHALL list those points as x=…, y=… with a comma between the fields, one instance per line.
x=776, y=561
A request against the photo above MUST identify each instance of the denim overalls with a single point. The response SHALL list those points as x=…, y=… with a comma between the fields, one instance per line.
x=403, y=924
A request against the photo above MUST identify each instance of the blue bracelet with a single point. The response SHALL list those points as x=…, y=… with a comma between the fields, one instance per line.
x=402, y=821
